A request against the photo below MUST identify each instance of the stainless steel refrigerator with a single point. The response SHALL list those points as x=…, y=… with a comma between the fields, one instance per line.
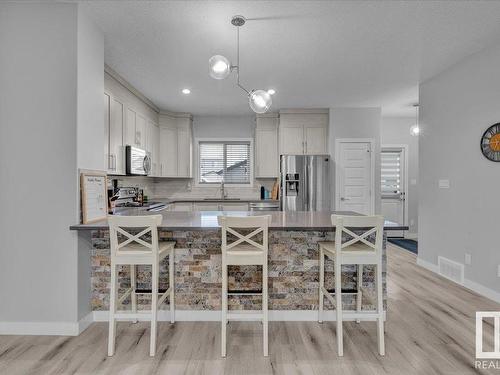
x=305, y=182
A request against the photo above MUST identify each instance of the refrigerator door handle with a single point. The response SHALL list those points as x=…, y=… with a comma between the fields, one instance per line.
x=307, y=184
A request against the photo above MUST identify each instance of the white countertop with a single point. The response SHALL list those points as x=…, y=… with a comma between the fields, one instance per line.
x=205, y=220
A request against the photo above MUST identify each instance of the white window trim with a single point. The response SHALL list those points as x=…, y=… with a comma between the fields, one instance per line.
x=197, y=162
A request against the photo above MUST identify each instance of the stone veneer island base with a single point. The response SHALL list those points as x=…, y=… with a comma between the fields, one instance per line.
x=293, y=264
x=293, y=273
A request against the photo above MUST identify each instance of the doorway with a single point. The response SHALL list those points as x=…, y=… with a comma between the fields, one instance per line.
x=355, y=166
x=394, y=185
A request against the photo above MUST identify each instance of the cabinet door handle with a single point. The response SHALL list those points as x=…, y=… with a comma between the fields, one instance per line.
x=110, y=161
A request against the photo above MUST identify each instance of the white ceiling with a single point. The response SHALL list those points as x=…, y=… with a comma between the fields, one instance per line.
x=315, y=54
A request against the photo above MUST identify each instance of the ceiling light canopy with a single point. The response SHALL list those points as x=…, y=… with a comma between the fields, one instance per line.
x=186, y=91
x=219, y=67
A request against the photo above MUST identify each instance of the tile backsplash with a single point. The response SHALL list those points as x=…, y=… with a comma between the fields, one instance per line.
x=174, y=188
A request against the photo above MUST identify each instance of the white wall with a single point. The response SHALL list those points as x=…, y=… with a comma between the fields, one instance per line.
x=223, y=126
x=91, y=135
x=396, y=130
x=456, y=107
x=39, y=123
x=356, y=123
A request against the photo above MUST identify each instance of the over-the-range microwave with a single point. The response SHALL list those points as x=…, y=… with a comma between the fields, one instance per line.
x=137, y=161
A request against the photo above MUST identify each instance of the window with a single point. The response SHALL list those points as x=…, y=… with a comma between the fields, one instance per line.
x=391, y=173
x=227, y=161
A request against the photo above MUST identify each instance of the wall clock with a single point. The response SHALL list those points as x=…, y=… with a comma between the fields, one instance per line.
x=490, y=143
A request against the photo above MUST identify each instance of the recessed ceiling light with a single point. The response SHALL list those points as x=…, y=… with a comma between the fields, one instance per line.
x=186, y=91
x=271, y=91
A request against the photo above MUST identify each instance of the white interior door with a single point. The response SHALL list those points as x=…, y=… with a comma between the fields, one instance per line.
x=354, y=177
x=393, y=177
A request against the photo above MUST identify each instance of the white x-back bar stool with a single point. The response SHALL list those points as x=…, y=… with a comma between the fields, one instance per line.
x=244, y=251
x=360, y=251
x=132, y=251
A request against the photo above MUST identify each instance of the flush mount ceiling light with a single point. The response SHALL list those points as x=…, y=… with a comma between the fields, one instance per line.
x=186, y=91
x=415, y=129
x=219, y=68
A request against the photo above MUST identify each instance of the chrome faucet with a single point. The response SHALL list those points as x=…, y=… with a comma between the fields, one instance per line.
x=223, y=194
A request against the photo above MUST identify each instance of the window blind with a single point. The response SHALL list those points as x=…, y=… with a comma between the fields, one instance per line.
x=391, y=173
x=224, y=161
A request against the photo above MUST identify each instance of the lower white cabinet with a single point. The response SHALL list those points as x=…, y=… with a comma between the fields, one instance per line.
x=209, y=206
x=182, y=206
x=234, y=207
x=175, y=146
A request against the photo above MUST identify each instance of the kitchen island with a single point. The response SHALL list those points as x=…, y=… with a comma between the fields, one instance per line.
x=293, y=264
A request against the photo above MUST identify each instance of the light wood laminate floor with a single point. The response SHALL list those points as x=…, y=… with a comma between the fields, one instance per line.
x=430, y=330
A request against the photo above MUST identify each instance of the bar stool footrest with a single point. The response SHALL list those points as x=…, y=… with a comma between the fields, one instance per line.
x=244, y=315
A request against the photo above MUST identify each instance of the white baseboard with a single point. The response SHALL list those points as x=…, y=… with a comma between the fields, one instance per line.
x=469, y=284
x=85, y=322
x=74, y=329
x=214, y=316
x=428, y=265
x=411, y=236
x=482, y=290
x=47, y=328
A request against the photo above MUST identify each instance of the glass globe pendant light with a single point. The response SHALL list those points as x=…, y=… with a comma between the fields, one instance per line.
x=415, y=129
x=260, y=101
x=219, y=68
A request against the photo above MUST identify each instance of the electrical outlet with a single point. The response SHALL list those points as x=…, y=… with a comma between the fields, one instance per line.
x=444, y=184
x=468, y=259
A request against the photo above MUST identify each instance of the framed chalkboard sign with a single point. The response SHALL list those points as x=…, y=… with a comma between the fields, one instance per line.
x=93, y=196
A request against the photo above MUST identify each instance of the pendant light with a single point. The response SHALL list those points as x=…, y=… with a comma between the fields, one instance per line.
x=415, y=129
x=219, y=67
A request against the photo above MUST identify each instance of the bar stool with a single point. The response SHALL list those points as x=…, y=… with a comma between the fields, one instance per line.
x=357, y=250
x=244, y=251
x=132, y=251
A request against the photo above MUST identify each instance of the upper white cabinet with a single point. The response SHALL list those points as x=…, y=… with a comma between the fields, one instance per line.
x=135, y=134
x=303, y=132
x=168, y=151
x=153, y=146
x=266, y=146
x=114, y=124
x=176, y=146
x=128, y=120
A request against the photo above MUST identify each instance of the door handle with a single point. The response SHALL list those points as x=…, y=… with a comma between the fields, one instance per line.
x=345, y=199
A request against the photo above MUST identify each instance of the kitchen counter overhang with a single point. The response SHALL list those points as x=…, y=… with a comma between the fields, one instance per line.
x=207, y=220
